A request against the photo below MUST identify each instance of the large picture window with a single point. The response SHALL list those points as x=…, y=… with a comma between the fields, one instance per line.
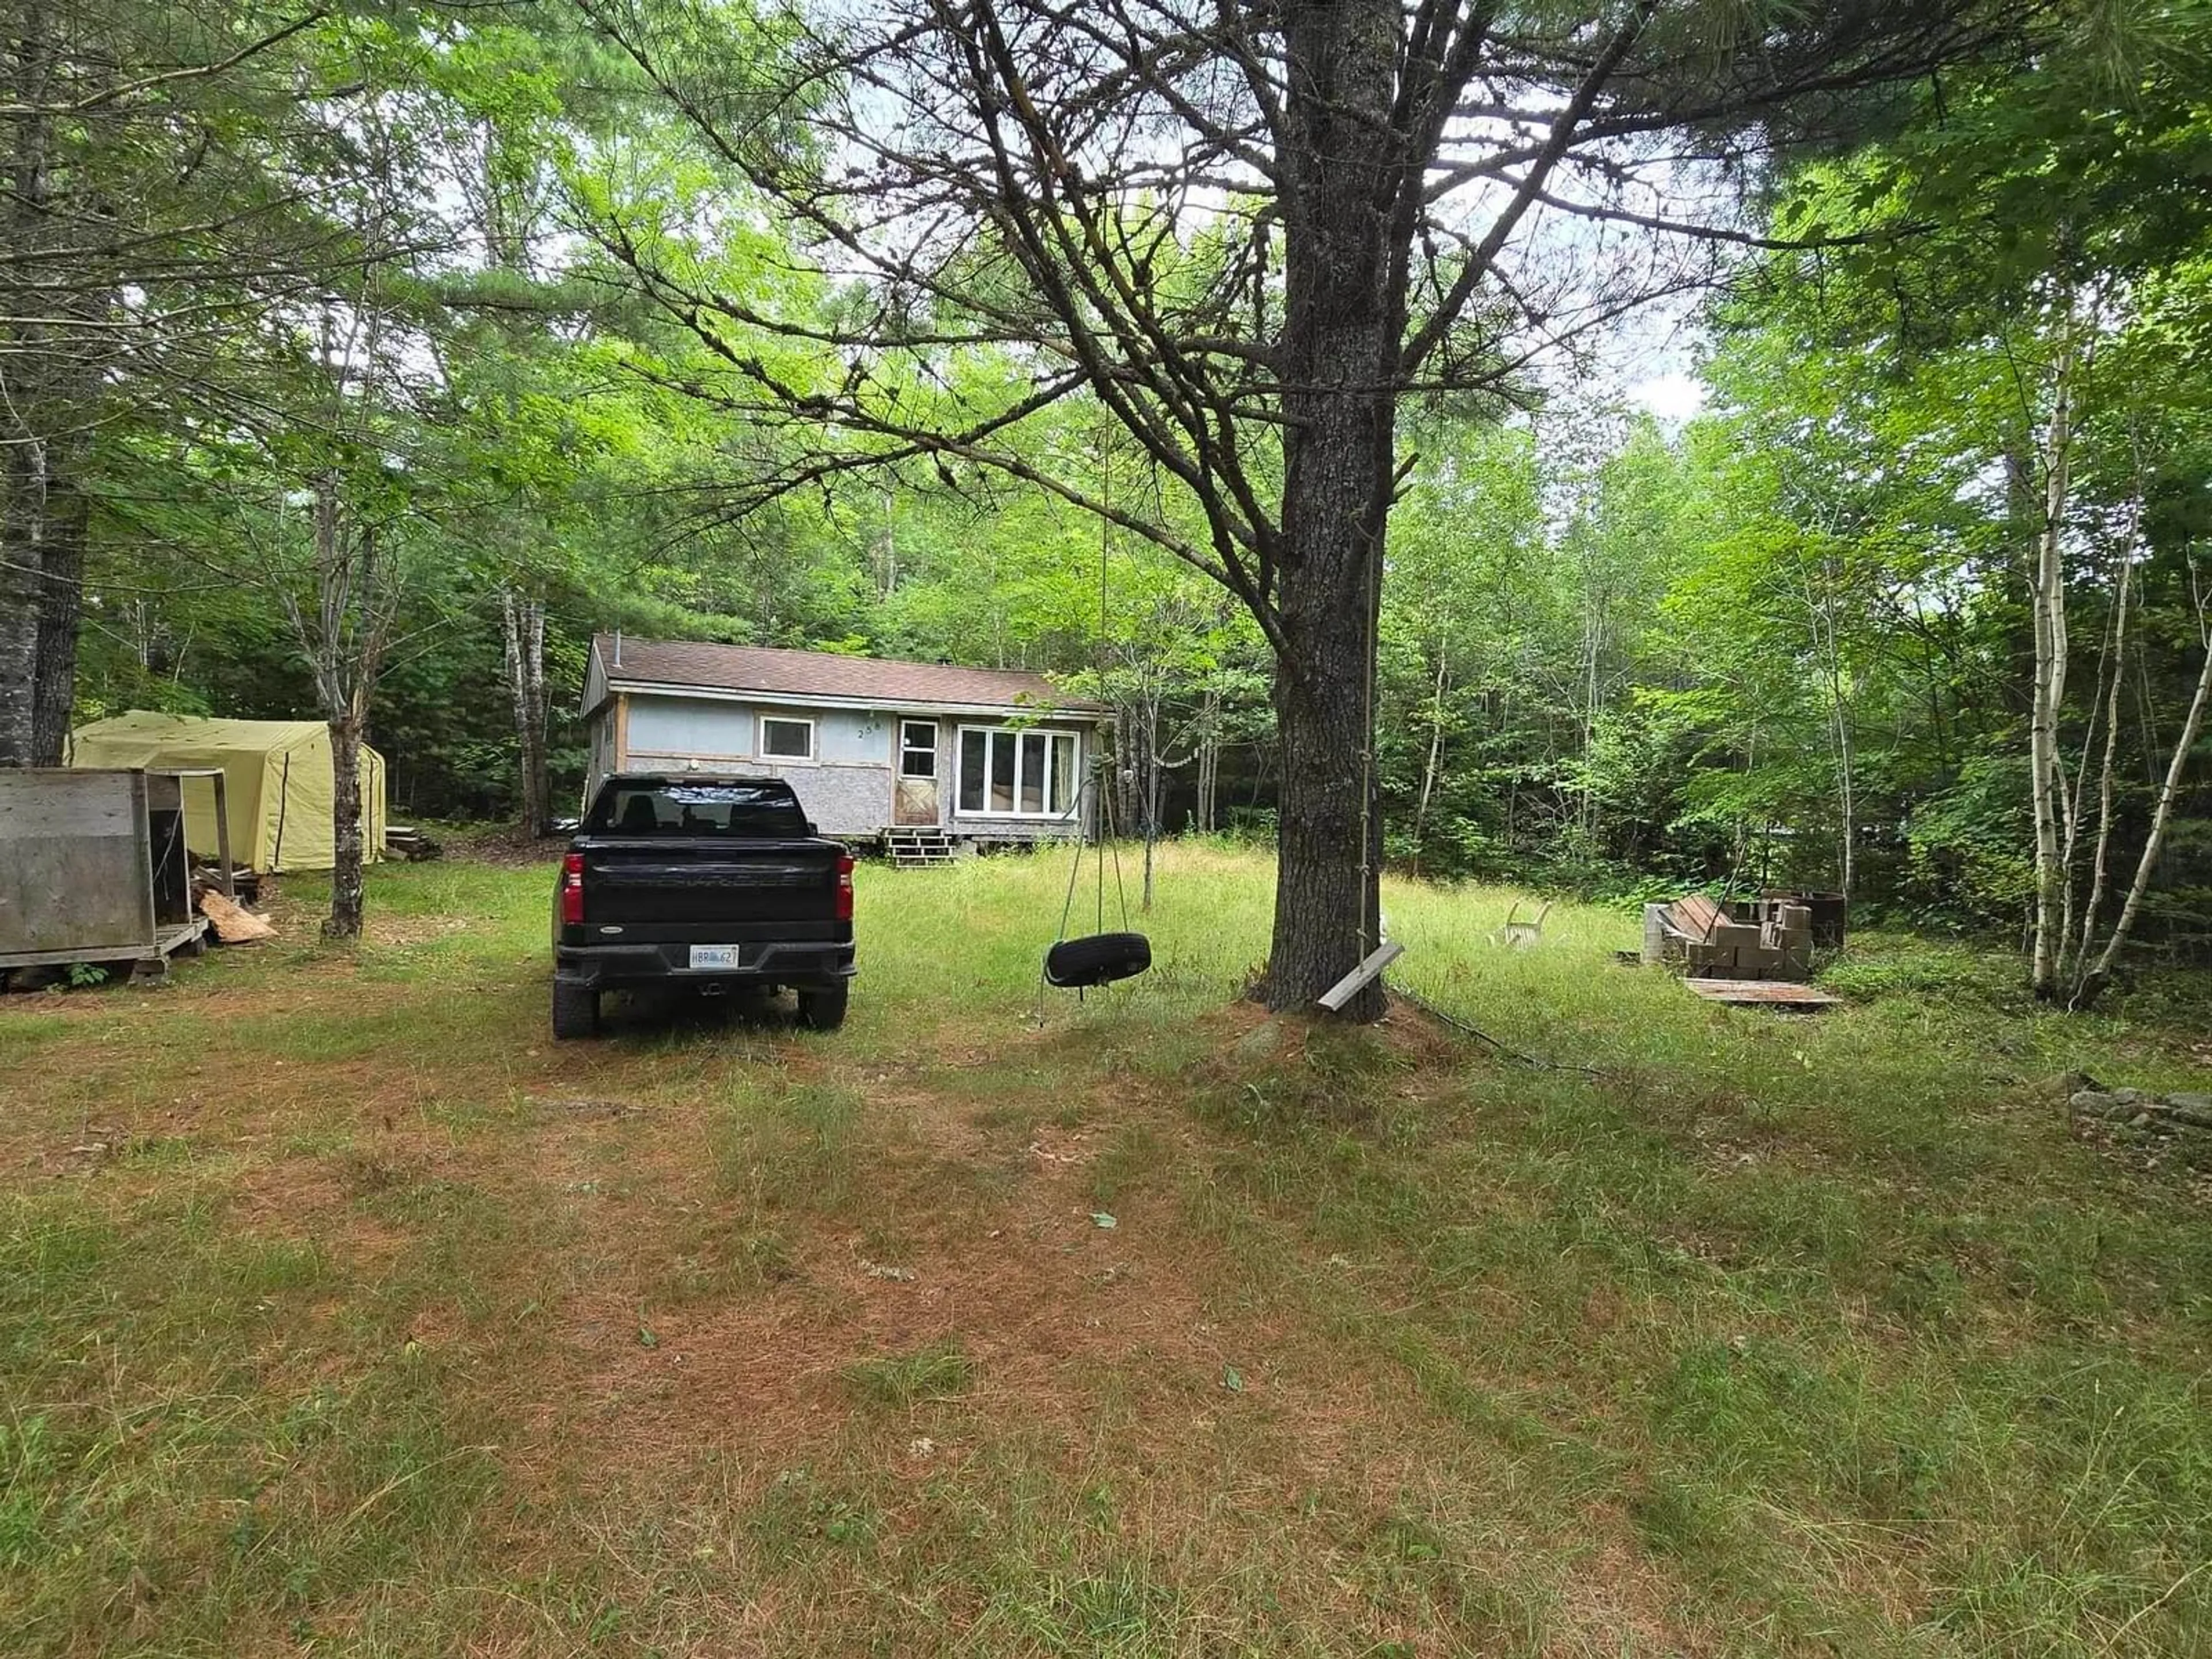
x=1016, y=775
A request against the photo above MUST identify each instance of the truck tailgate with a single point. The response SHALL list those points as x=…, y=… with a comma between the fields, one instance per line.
x=757, y=890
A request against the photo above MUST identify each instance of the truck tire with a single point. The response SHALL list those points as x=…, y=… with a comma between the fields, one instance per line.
x=575, y=1011
x=821, y=1007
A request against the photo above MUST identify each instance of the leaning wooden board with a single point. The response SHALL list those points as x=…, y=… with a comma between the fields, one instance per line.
x=232, y=922
x=1761, y=993
x=1697, y=915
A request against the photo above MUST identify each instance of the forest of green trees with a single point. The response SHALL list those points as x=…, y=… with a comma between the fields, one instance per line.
x=361, y=360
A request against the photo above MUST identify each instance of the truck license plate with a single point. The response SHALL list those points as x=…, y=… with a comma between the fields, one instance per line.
x=715, y=956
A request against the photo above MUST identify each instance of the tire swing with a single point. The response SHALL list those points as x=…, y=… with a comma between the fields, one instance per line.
x=1100, y=957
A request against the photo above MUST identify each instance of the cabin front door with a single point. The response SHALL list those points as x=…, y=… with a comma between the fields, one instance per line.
x=915, y=797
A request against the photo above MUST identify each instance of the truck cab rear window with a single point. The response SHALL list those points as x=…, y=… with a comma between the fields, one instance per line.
x=764, y=809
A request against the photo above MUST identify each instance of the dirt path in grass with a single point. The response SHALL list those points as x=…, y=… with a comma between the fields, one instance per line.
x=652, y=1258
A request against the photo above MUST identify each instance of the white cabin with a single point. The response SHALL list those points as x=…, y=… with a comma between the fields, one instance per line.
x=980, y=755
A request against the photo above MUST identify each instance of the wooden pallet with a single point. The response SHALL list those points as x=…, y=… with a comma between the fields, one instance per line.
x=182, y=939
x=910, y=848
x=1762, y=994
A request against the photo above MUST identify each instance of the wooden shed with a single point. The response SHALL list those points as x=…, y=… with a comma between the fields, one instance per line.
x=93, y=868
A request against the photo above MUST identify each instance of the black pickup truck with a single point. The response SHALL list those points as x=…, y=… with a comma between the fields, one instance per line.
x=715, y=882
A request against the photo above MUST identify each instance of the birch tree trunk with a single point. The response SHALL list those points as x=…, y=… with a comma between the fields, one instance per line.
x=2114, y=677
x=343, y=641
x=1152, y=792
x=1209, y=760
x=348, y=894
x=2193, y=725
x=2049, y=599
x=1593, y=641
x=1128, y=766
x=1436, y=751
x=1821, y=614
x=336, y=593
x=523, y=626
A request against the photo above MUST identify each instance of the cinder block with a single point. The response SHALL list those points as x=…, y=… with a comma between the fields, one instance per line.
x=1760, y=962
x=1711, y=961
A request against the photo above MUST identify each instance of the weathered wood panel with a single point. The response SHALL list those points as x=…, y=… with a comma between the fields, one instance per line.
x=1761, y=993
x=75, y=872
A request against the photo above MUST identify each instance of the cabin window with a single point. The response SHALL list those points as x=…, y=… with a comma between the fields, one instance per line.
x=1063, y=773
x=917, y=748
x=783, y=738
x=1016, y=775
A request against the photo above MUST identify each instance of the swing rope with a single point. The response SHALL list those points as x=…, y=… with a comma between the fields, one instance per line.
x=1102, y=824
x=1103, y=806
x=1370, y=922
x=1066, y=909
x=1103, y=819
x=1121, y=887
x=1099, y=807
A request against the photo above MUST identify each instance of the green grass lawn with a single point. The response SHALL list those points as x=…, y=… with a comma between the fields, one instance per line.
x=342, y=1312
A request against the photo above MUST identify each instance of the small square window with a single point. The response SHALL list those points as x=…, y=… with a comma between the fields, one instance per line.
x=917, y=748
x=785, y=739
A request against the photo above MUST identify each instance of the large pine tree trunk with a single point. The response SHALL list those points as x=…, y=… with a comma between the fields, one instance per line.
x=346, y=884
x=60, y=620
x=21, y=565
x=22, y=436
x=1338, y=438
x=1327, y=894
x=74, y=389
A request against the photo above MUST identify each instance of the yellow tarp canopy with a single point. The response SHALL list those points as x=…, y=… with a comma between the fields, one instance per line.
x=276, y=776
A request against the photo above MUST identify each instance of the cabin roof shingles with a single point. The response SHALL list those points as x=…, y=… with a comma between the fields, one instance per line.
x=826, y=674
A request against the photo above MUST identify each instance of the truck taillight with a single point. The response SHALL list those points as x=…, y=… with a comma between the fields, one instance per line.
x=844, y=888
x=571, y=889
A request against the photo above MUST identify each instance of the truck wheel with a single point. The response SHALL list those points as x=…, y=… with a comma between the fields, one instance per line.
x=822, y=1009
x=575, y=1011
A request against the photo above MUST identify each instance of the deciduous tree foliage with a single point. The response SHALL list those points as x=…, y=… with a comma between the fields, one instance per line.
x=144, y=227
x=878, y=332
x=2036, y=279
x=1248, y=233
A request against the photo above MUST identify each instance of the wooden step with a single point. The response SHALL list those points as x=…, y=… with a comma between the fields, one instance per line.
x=918, y=846
x=905, y=860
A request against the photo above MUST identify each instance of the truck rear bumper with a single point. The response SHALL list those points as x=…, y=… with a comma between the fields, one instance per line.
x=607, y=967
